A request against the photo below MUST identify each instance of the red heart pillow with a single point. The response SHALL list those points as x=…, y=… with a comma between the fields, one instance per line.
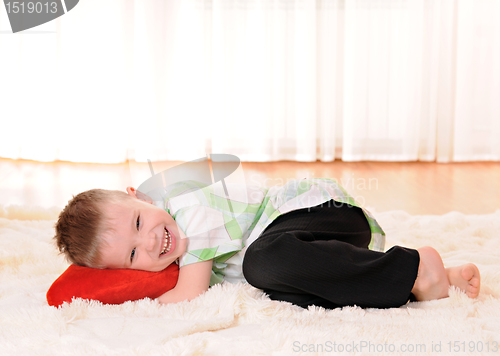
x=111, y=286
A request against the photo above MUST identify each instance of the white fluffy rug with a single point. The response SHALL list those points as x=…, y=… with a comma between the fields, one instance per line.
x=240, y=320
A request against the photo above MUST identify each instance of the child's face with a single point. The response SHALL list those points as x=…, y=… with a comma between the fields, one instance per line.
x=142, y=236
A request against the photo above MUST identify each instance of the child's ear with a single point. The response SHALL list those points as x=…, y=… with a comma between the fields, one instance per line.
x=131, y=191
x=138, y=195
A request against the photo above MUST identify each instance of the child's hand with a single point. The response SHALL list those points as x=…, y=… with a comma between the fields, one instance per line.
x=193, y=280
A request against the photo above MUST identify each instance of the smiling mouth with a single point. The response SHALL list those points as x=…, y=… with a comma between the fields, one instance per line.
x=167, y=244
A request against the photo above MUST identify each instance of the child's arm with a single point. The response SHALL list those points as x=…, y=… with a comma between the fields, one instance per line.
x=194, y=279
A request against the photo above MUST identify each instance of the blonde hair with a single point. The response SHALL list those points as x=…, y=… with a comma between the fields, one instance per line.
x=81, y=224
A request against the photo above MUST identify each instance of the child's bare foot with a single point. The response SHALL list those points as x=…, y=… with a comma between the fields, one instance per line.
x=432, y=280
x=466, y=277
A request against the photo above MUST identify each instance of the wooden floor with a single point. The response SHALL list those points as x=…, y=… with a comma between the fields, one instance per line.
x=418, y=188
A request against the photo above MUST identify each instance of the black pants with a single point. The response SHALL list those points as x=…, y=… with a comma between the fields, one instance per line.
x=319, y=256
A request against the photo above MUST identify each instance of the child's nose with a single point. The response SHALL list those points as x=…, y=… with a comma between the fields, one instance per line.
x=150, y=241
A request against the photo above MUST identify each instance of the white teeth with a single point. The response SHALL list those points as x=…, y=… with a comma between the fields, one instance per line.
x=167, y=244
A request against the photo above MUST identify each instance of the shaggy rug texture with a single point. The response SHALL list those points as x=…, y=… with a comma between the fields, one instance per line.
x=241, y=320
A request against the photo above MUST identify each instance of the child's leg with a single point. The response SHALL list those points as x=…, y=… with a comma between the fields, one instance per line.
x=294, y=267
x=433, y=280
x=300, y=259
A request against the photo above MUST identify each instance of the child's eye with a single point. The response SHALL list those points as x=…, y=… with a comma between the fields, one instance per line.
x=132, y=255
x=138, y=222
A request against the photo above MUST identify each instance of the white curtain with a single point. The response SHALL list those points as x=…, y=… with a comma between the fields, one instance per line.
x=390, y=80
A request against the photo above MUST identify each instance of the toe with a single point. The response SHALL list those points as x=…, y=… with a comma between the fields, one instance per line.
x=467, y=272
x=471, y=274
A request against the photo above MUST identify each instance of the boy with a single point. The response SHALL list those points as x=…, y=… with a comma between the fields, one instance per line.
x=307, y=243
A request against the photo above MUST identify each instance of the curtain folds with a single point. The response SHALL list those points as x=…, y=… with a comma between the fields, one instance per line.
x=266, y=80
